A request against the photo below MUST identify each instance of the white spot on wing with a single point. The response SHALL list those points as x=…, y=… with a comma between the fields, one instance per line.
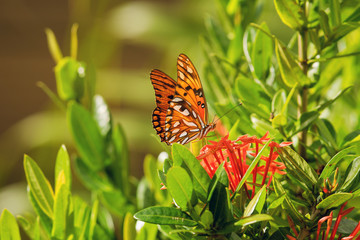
x=181, y=63
x=185, y=140
x=185, y=112
x=194, y=130
x=177, y=123
x=189, y=69
x=175, y=130
x=183, y=134
x=172, y=139
x=194, y=114
x=177, y=99
x=177, y=107
x=189, y=124
x=181, y=75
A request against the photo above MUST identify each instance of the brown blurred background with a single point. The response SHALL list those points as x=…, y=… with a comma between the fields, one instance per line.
x=124, y=40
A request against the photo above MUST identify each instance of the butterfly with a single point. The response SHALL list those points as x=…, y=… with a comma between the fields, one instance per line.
x=181, y=113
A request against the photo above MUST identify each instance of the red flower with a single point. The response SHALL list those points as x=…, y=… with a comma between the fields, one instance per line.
x=235, y=155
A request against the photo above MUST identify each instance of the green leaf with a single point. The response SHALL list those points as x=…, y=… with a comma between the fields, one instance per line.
x=253, y=219
x=353, y=136
x=334, y=200
x=261, y=53
x=87, y=136
x=63, y=164
x=278, y=101
x=207, y=219
x=352, y=178
x=147, y=232
x=288, y=204
x=93, y=218
x=150, y=172
x=220, y=179
x=324, y=23
x=116, y=202
x=180, y=186
x=277, y=202
x=290, y=13
x=200, y=178
x=101, y=114
x=219, y=202
x=61, y=205
x=298, y=167
x=53, y=45
x=331, y=165
x=120, y=166
x=69, y=75
x=257, y=203
x=43, y=220
x=307, y=118
x=251, y=167
x=290, y=71
x=328, y=103
x=326, y=135
x=8, y=226
x=39, y=186
x=92, y=180
x=129, y=232
x=335, y=14
x=164, y=215
x=81, y=218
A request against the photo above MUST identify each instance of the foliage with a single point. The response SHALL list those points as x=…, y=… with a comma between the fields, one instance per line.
x=284, y=90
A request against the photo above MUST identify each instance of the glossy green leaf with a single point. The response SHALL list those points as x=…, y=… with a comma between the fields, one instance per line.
x=256, y=203
x=253, y=219
x=261, y=53
x=207, y=219
x=87, y=136
x=333, y=163
x=61, y=205
x=164, y=215
x=43, y=219
x=220, y=179
x=9, y=228
x=352, y=176
x=326, y=135
x=219, y=197
x=290, y=71
x=279, y=121
x=82, y=214
x=39, y=186
x=298, y=167
x=53, y=45
x=147, y=232
x=251, y=167
x=334, y=200
x=342, y=30
x=200, y=178
x=290, y=13
x=307, y=118
x=129, y=232
x=63, y=164
x=69, y=75
x=150, y=172
x=288, y=204
x=353, y=136
x=101, y=114
x=277, y=202
x=355, y=16
x=180, y=187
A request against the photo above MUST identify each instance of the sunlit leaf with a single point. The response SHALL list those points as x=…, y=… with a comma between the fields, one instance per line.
x=291, y=13
x=164, y=215
x=8, y=226
x=334, y=200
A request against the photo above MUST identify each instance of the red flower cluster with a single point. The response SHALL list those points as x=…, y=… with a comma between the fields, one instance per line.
x=236, y=155
x=325, y=233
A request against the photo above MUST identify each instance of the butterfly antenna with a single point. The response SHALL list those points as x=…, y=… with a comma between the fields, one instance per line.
x=239, y=104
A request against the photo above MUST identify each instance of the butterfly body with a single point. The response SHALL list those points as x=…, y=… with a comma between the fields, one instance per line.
x=181, y=112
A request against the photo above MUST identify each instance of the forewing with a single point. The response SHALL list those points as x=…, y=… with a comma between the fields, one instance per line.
x=189, y=86
x=164, y=87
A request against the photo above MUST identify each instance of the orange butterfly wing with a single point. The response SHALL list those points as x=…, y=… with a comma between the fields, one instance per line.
x=164, y=87
x=186, y=113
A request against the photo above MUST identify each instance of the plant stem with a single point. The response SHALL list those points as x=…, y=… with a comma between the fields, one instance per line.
x=303, y=92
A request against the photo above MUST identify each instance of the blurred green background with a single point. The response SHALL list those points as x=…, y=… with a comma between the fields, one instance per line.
x=123, y=40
